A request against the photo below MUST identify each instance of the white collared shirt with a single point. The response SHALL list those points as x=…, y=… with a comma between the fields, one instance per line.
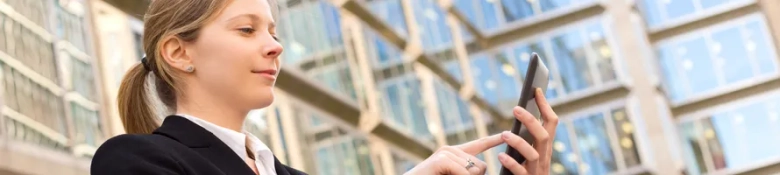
x=264, y=158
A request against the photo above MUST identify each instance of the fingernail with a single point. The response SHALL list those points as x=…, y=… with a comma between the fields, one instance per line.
x=502, y=157
x=505, y=135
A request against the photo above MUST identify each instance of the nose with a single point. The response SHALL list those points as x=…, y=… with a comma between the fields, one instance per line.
x=272, y=49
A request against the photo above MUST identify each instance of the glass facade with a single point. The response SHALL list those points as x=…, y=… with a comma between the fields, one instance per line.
x=50, y=96
x=717, y=58
x=43, y=104
x=727, y=138
x=658, y=13
x=494, y=14
x=403, y=106
x=578, y=60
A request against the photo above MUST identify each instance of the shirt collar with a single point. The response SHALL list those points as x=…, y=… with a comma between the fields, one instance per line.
x=236, y=141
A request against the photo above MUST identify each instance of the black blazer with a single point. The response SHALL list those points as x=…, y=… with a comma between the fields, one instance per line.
x=177, y=147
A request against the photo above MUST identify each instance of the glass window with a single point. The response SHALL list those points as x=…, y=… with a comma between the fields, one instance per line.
x=402, y=164
x=712, y=59
x=71, y=28
x=759, y=46
x=482, y=13
x=726, y=139
x=83, y=78
x=484, y=78
x=332, y=143
x=666, y=11
x=432, y=24
x=508, y=84
x=564, y=158
x=404, y=107
x=517, y=10
x=569, y=52
x=334, y=72
x=391, y=12
x=29, y=48
x=86, y=124
x=594, y=145
x=382, y=52
x=301, y=43
x=33, y=10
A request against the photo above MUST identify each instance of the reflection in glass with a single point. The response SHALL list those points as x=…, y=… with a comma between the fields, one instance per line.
x=712, y=59
x=302, y=43
x=485, y=83
x=594, y=145
x=434, y=31
x=569, y=52
x=722, y=140
x=517, y=10
x=625, y=134
x=564, y=158
x=659, y=12
x=404, y=108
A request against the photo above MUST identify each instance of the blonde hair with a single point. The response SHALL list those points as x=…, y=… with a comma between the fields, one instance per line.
x=164, y=18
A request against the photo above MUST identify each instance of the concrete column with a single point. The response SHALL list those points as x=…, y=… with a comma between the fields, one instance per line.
x=288, y=124
x=624, y=26
x=481, y=127
x=432, y=112
x=380, y=149
x=459, y=47
x=369, y=117
x=414, y=46
x=771, y=9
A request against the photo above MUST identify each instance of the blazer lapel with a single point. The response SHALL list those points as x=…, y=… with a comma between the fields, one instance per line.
x=205, y=143
x=280, y=169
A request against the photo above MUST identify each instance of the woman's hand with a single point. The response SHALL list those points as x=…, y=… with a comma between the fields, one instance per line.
x=455, y=159
x=539, y=155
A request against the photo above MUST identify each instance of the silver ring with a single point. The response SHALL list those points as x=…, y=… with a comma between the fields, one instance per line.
x=470, y=164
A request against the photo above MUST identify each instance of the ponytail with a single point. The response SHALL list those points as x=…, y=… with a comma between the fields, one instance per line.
x=135, y=110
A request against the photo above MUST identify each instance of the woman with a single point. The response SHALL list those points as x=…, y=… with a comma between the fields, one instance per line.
x=212, y=61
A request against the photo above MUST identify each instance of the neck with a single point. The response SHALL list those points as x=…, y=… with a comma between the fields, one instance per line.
x=215, y=110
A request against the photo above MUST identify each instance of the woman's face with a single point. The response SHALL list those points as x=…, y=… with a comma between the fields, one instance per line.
x=236, y=56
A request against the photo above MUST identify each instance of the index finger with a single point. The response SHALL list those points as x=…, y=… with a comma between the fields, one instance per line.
x=481, y=145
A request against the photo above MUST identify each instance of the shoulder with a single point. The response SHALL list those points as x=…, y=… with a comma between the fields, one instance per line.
x=134, y=154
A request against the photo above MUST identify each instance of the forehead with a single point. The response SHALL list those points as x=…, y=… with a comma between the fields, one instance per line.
x=261, y=8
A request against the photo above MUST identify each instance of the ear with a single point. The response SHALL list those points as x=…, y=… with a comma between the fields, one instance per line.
x=174, y=53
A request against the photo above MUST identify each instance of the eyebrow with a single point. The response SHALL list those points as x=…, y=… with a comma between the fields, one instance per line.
x=253, y=17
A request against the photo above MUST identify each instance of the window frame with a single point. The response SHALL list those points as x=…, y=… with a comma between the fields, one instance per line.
x=706, y=113
x=705, y=33
x=696, y=15
x=543, y=39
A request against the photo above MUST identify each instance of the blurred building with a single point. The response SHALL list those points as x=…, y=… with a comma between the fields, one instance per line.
x=52, y=118
x=642, y=86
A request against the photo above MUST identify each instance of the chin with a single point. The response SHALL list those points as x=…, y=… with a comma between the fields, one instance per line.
x=263, y=99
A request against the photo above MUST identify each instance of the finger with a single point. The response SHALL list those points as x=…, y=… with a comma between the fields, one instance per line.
x=457, y=165
x=533, y=125
x=551, y=125
x=520, y=145
x=480, y=166
x=548, y=115
x=481, y=145
x=511, y=164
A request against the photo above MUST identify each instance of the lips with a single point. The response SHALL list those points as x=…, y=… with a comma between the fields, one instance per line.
x=266, y=71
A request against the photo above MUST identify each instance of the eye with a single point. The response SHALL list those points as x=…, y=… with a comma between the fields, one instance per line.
x=276, y=38
x=247, y=30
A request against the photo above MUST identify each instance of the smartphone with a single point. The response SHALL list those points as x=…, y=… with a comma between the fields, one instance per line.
x=537, y=76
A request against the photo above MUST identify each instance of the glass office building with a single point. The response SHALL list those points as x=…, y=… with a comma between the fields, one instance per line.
x=51, y=110
x=375, y=86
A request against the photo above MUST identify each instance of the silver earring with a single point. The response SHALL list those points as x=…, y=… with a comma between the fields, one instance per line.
x=190, y=69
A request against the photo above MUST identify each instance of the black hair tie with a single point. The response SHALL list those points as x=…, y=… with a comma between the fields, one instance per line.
x=145, y=63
